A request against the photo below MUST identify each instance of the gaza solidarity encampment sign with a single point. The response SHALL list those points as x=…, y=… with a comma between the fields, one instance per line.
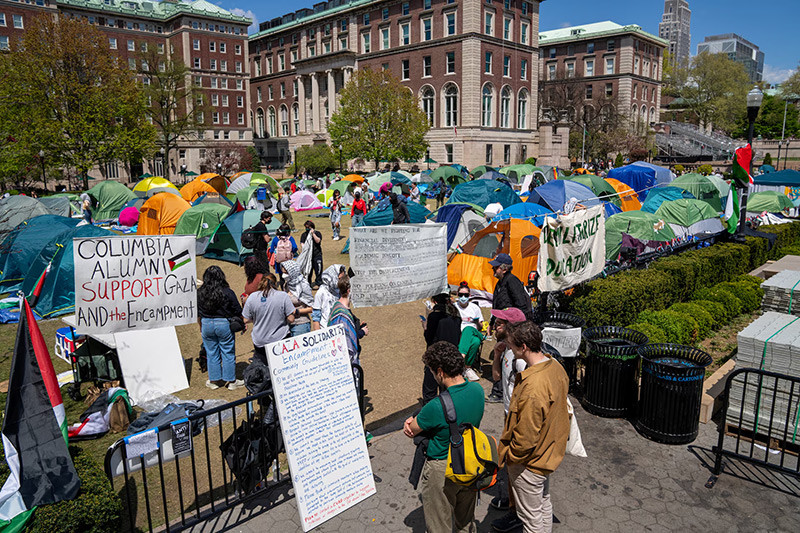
x=134, y=282
x=572, y=248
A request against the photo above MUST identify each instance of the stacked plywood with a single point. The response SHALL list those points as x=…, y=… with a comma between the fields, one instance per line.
x=782, y=292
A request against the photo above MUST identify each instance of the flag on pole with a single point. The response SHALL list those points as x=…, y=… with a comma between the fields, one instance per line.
x=34, y=431
x=731, y=216
x=741, y=166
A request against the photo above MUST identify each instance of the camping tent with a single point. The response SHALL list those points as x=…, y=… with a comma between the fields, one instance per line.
x=526, y=211
x=196, y=188
x=57, y=205
x=641, y=225
x=516, y=173
x=148, y=187
x=226, y=243
x=16, y=209
x=382, y=215
x=516, y=237
x=628, y=199
x=215, y=198
x=659, y=195
x=787, y=177
x=249, y=197
x=324, y=196
x=701, y=188
x=463, y=220
x=109, y=198
x=22, y=244
x=600, y=187
x=477, y=172
x=770, y=201
x=216, y=181
x=346, y=189
x=690, y=217
x=641, y=176
x=305, y=200
x=554, y=194
x=202, y=222
x=160, y=214
x=252, y=178
x=452, y=176
x=484, y=192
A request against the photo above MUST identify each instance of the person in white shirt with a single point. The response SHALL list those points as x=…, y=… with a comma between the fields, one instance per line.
x=471, y=315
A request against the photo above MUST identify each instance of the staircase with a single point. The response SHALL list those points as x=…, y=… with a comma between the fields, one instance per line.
x=687, y=140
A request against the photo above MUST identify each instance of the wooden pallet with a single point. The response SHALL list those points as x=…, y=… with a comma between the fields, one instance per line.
x=773, y=443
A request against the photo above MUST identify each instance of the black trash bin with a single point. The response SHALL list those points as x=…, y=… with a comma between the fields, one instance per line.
x=611, y=380
x=672, y=387
x=565, y=321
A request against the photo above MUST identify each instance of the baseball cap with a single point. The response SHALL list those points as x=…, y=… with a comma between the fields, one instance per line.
x=501, y=259
x=509, y=314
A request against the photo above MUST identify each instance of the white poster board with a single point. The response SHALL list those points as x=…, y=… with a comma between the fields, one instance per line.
x=321, y=423
x=572, y=248
x=567, y=341
x=397, y=264
x=125, y=283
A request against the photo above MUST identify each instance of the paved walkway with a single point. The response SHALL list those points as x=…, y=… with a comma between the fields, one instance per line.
x=627, y=484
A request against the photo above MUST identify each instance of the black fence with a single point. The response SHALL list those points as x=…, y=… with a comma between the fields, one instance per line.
x=761, y=422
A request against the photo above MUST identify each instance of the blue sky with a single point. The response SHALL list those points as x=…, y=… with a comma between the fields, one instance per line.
x=774, y=30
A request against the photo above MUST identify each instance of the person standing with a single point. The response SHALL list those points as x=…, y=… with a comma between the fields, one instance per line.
x=441, y=193
x=271, y=312
x=314, y=239
x=262, y=239
x=414, y=192
x=326, y=296
x=534, y=439
x=358, y=210
x=399, y=210
x=253, y=271
x=442, y=324
x=285, y=209
x=86, y=208
x=284, y=248
x=299, y=291
x=444, y=503
x=216, y=303
x=354, y=331
x=335, y=205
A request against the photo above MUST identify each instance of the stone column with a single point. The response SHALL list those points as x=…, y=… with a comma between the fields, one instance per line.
x=301, y=103
x=331, y=91
x=346, y=73
x=315, y=102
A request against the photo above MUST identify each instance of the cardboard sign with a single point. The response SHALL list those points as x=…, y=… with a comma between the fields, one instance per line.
x=397, y=264
x=567, y=341
x=134, y=282
x=572, y=248
x=181, y=436
x=321, y=423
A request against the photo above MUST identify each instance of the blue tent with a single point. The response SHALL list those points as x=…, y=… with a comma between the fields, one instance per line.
x=525, y=210
x=641, y=176
x=787, y=177
x=493, y=175
x=659, y=195
x=766, y=169
x=226, y=243
x=451, y=215
x=399, y=179
x=483, y=193
x=554, y=194
x=611, y=209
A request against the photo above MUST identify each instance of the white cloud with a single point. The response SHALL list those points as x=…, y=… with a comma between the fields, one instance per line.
x=566, y=24
x=775, y=74
x=249, y=14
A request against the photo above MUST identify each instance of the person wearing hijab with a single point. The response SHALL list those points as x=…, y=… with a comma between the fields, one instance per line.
x=299, y=291
x=326, y=296
x=341, y=314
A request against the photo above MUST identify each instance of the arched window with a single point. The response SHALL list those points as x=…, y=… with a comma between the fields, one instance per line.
x=296, y=118
x=505, y=108
x=644, y=114
x=427, y=103
x=487, y=106
x=652, y=115
x=284, y=121
x=272, y=123
x=260, y=123
x=451, y=106
x=522, y=110
x=634, y=114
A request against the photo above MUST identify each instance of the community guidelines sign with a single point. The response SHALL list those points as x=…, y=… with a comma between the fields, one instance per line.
x=572, y=248
x=134, y=283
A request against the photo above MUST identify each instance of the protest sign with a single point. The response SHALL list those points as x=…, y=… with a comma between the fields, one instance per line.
x=567, y=340
x=134, y=282
x=396, y=264
x=572, y=248
x=321, y=423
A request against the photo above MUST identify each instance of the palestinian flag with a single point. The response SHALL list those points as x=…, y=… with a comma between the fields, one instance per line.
x=179, y=260
x=731, y=216
x=34, y=432
x=741, y=166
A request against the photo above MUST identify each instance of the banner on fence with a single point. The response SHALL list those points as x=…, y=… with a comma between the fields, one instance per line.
x=397, y=264
x=572, y=248
x=321, y=423
x=566, y=340
x=134, y=282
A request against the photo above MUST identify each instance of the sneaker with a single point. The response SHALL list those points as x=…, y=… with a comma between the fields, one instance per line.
x=500, y=503
x=494, y=399
x=211, y=385
x=507, y=523
x=471, y=375
x=233, y=385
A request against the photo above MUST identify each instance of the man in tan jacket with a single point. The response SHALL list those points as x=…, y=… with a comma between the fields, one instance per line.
x=534, y=439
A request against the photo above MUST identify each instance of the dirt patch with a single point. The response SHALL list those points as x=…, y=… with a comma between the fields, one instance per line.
x=722, y=345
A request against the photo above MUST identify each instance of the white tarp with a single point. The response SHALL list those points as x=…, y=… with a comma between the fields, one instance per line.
x=396, y=264
x=566, y=340
x=321, y=423
x=134, y=282
x=571, y=248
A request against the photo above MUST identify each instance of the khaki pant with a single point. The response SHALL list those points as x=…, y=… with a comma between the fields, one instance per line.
x=286, y=218
x=531, y=494
x=445, y=503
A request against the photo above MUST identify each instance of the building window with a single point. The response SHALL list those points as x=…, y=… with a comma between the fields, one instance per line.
x=451, y=106
x=507, y=29
x=343, y=25
x=488, y=23
x=570, y=70
x=610, y=45
x=522, y=110
x=426, y=66
x=214, y=83
x=257, y=69
x=588, y=92
x=239, y=84
x=312, y=50
x=294, y=88
x=215, y=99
x=636, y=65
x=260, y=123
x=609, y=65
x=450, y=24
x=237, y=49
x=240, y=101
x=523, y=69
x=294, y=56
x=385, y=13
x=213, y=64
x=405, y=32
x=198, y=81
x=552, y=53
x=212, y=46
x=3, y=19
x=385, y=66
x=570, y=50
x=258, y=94
x=451, y=62
x=281, y=62
x=384, y=38
x=283, y=90
x=523, y=33
x=609, y=89
x=426, y=4
x=365, y=43
x=507, y=66
x=196, y=62
x=366, y=19
x=448, y=150
x=551, y=72
x=223, y=65
x=240, y=120
x=525, y=8
x=589, y=48
x=18, y=21
x=270, y=92
x=404, y=8
x=160, y=48
x=342, y=43
x=406, y=69
x=507, y=4
x=272, y=122
x=506, y=154
x=131, y=45
x=487, y=106
x=239, y=67
x=427, y=34
x=505, y=108
x=428, y=97
x=488, y=61
x=284, y=121
x=215, y=117
x=226, y=117
x=589, y=67
x=488, y=154
x=296, y=118
x=112, y=43
x=222, y=48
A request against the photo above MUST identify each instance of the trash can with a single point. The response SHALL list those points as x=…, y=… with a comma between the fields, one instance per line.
x=611, y=380
x=672, y=387
x=559, y=320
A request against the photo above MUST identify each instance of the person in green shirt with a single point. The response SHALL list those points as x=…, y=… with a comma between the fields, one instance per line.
x=444, y=502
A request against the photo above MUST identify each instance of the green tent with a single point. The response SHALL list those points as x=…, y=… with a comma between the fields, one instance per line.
x=15, y=210
x=770, y=201
x=722, y=186
x=226, y=243
x=477, y=172
x=110, y=197
x=451, y=175
x=599, y=186
x=202, y=222
x=343, y=187
x=685, y=211
x=640, y=225
x=515, y=172
x=701, y=187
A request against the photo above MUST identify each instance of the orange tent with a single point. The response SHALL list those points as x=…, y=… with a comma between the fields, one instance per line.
x=515, y=237
x=219, y=183
x=196, y=188
x=354, y=178
x=629, y=200
x=159, y=215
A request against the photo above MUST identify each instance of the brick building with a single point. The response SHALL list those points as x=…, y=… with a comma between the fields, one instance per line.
x=472, y=64
x=211, y=41
x=604, y=68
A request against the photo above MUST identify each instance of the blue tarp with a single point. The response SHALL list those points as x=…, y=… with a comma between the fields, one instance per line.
x=788, y=177
x=484, y=192
x=525, y=210
x=641, y=176
x=451, y=214
x=554, y=194
x=660, y=195
x=611, y=209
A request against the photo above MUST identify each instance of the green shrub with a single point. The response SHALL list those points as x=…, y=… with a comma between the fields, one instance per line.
x=678, y=169
x=749, y=295
x=767, y=159
x=715, y=309
x=705, y=322
x=654, y=333
x=531, y=161
x=755, y=280
x=730, y=302
x=678, y=328
x=758, y=251
x=619, y=160
x=785, y=235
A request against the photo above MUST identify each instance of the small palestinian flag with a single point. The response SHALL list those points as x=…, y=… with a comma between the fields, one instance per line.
x=34, y=432
x=741, y=166
x=179, y=260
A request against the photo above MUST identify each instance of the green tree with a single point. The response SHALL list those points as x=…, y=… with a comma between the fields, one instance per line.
x=177, y=107
x=378, y=119
x=769, y=124
x=767, y=159
x=315, y=159
x=63, y=94
x=251, y=161
x=791, y=87
x=705, y=169
x=674, y=76
x=716, y=90
x=619, y=161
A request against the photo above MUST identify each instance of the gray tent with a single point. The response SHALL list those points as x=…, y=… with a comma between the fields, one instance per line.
x=57, y=205
x=16, y=209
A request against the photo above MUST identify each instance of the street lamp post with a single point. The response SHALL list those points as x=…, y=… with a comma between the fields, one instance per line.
x=44, y=175
x=296, y=167
x=428, y=158
x=340, y=159
x=754, y=98
x=183, y=173
x=219, y=169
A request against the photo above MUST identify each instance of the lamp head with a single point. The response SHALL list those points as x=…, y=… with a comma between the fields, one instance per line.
x=754, y=98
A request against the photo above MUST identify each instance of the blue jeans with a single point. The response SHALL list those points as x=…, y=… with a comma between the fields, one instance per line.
x=220, y=348
x=299, y=329
x=356, y=220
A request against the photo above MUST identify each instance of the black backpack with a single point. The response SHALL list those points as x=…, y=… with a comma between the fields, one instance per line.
x=249, y=238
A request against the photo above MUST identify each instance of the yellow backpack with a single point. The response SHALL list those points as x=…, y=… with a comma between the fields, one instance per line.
x=472, y=458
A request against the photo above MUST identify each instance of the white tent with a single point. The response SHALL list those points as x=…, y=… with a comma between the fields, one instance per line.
x=305, y=200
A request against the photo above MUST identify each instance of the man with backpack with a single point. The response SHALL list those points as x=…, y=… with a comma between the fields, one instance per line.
x=283, y=247
x=285, y=209
x=445, y=502
x=261, y=240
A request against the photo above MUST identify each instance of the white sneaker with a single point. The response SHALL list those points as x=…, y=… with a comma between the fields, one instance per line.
x=211, y=385
x=233, y=385
x=471, y=375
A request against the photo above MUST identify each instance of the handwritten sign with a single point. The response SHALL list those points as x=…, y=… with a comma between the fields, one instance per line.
x=567, y=341
x=396, y=264
x=134, y=282
x=572, y=248
x=321, y=423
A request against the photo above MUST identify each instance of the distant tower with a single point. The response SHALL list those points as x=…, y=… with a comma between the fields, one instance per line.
x=674, y=28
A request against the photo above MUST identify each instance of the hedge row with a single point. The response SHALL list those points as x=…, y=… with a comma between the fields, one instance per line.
x=619, y=299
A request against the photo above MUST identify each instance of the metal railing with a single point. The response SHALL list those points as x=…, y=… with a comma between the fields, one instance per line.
x=761, y=422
